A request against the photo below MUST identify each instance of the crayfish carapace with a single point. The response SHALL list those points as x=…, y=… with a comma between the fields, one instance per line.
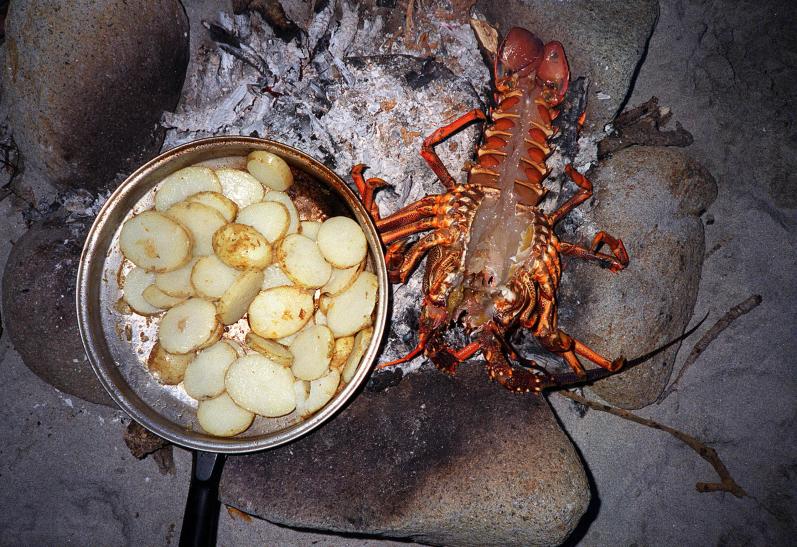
x=493, y=259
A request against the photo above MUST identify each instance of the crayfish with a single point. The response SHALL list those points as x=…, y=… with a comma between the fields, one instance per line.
x=493, y=259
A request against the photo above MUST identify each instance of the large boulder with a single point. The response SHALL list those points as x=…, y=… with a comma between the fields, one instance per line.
x=440, y=460
x=652, y=199
x=86, y=84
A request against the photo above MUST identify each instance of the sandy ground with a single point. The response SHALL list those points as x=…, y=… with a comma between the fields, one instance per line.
x=69, y=479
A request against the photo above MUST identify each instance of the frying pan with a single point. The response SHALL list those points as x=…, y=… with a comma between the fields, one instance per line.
x=117, y=342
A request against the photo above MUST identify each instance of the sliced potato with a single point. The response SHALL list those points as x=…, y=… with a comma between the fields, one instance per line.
x=319, y=318
x=361, y=342
x=300, y=258
x=235, y=301
x=135, y=282
x=351, y=310
x=168, y=368
x=261, y=386
x=285, y=199
x=222, y=417
x=342, y=242
x=220, y=202
x=155, y=242
x=301, y=389
x=201, y=222
x=341, y=279
x=280, y=311
x=211, y=277
x=183, y=183
x=156, y=297
x=312, y=352
x=177, y=283
x=269, y=169
x=343, y=347
x=270, y=218
x=269, y=348
x=240, y=186
x=309, y=228
x=204, y=377
x=323, y=304
x=321, y=392
x=273, y=276
x=189, y=326
x=242, y=247
x=288, y=340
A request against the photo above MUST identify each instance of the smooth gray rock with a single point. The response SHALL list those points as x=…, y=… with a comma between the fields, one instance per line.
x=440, y=460
x=604, y=40
x=39, y=307
x=652, y=199
x=87, y=82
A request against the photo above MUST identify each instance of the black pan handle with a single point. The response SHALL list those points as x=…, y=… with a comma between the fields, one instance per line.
x=201, y=519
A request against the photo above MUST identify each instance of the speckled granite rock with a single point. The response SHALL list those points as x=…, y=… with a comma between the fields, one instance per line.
x=604, y=40
x=88, y=81
x=652, y=199
x=39, y=307
x=439, y=460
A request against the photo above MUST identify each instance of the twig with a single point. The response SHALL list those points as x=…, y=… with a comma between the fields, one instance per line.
x=727, y=483
x=723, y=323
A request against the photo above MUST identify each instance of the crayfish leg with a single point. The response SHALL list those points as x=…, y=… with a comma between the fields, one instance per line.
x=513, y=379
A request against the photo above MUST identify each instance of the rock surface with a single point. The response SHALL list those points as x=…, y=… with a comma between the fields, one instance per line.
x=88, y=81
x=652, y=199
x=39, y=307
x=443, y=461
x=604, y=40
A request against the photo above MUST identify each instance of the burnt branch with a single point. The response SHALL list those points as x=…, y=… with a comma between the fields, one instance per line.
x=643, y=125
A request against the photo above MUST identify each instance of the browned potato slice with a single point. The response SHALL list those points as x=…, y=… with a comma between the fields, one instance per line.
x=351, y=310
x=269, y=348
x=168, y=368
x=343, y=347
x=155, y=242
x=269, y=169
x=342, y=242
x=189, y=326
x=201, y=222
x=275, y=277
x=211, y=277
x=220, y=202
x=242, y=247
x=222, y=417
x=321, y=392
x=361, y=342
x=309, y=228
x=261, y=386
x=340, y=280
x=300, y=258
x=136, y=281
x=177, y=283
x=312, y=352
x=270, y=218
x=234, y=303
x=183, y=183
x=204, y=377
x=285, y=199
x=240, y=186
x=156, y=297
x=280, y=311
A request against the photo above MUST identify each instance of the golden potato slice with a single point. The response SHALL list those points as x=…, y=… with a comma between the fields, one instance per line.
x=222, y=417
x=280, y=311
x=177, y=283
x=270, y=218
x=201, y=222
x=351, y=310
x=309, y=228
x=312, y=352
x=168, y=368
x=155, y=242
x=361, y=342
x=204, y=377
x=285, y=199
x=156, y=297
x=321, y=392
x=220, y=202
x=341, y=279
x=135, y=282
x=242, y=247
x=261, y=386
x=269, y=169
x=275, y=277
x=300, y=258
x=343, y=347
x=235, y=301
x=240, y=186
x=342, y=242
x=323, y=304
x=211, y=277
x=269, y=348
x=183, y=183
x=189, y=326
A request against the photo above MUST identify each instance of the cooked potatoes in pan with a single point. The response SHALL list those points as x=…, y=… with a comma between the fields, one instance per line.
x=260, y=312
